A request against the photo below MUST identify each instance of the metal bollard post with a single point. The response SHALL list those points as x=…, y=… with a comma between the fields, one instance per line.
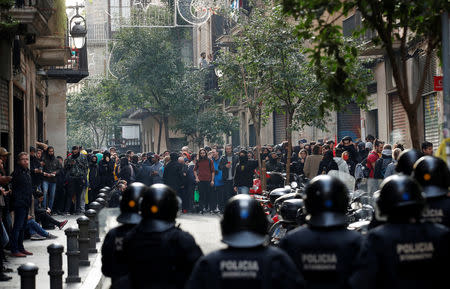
x=83, y=240
x=72, y=255
x=92, y=230
x=102, y=195
x=56, y=272
x=28, y=274
x=102, y=202
x=97, y=207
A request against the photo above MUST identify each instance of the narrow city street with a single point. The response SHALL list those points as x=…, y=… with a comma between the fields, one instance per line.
x=320, y=129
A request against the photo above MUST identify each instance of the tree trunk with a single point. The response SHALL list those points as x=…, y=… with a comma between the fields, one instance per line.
x=289, y=150
x=256, y=118
x=414, y=130
x=159, y=135
x=166, y=130
x=261, y=162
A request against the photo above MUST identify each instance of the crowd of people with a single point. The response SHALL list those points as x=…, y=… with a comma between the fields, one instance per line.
x=43, y=187
x=408, y=248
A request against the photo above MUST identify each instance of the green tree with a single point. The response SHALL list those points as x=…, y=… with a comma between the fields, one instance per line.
x=242, y=80
x=199, y=116
x=147, y=62
x=269, y=70
x=93, y=113
x=404, y=28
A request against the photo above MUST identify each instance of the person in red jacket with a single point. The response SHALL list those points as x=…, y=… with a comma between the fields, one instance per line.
x=204, y=176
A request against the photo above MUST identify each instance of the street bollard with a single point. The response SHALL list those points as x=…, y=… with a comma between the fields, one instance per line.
x=28, y=274
x=56, y=272
x=97, y=207
x=101, y=201
x=92, y=230
x=72, y=255
x=83, y=240
x=102, y=195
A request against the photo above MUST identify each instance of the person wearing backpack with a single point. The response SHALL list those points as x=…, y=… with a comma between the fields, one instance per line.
x=390, y=170
x=382, y=163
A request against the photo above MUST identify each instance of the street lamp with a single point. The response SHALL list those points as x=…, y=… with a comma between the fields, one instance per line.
x=78, y=31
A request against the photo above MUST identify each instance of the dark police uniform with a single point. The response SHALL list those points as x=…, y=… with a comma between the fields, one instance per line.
x=160, y=258
x=158, y=254
x=404, y=256
x=403, y=253
x=324, y=256
x=237, y=268
x=112, y=265
x=433, y=175
x=437, y=211
x=247, y=263
x=324, y=251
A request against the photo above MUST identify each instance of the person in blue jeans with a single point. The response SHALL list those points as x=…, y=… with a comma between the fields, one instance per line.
x=51, y=168
x=217, y=202
x=36, y=232
x=22, y=190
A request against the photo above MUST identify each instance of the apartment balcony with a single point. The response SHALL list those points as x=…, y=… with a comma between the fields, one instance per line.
x=74, y=70
x=34, y=14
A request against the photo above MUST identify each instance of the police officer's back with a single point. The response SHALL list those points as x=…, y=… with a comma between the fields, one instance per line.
x=159, y=255
x=403, y=253
x=433, y=175
x=112, y=265
x=324, y=251
x=247, y=263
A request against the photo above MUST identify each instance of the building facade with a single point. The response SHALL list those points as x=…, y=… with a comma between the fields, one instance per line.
x=37, y=62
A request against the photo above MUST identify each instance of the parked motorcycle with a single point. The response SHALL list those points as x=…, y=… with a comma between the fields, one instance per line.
x=288, y=219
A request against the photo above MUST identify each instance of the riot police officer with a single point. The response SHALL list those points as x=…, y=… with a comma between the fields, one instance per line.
x=158, y=254
x=406, y=160
x=433, y=175
x=325, y=250
x=247, y=262
x=112, y=246
x=403, y=253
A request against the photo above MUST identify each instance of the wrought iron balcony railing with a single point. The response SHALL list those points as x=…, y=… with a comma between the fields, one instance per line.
x=45, y=7
x=76, y=67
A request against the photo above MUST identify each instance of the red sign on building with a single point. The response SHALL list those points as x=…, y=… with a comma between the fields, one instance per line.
x=438, y=83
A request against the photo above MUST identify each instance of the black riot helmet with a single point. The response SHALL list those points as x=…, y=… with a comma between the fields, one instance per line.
x=433, y=175
x=159, y=202
x=326, y=201
x=406, y=160
x=129, y=204
x=400, y=197
x=244, y=223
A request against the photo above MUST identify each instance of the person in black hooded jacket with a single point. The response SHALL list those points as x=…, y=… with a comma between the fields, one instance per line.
x=126, y=172
x=243, y=176
x=106, y=170
x=94, y=179
x=327, y=163
x=173, y=174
